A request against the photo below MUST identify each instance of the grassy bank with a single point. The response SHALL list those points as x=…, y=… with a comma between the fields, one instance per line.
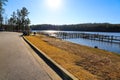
x=83, y=62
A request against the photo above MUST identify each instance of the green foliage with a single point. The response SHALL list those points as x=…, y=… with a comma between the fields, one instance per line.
x=98, y=27
x=2, y=3
x=19, y=20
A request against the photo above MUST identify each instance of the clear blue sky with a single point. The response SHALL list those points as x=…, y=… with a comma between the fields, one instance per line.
x=70, y=11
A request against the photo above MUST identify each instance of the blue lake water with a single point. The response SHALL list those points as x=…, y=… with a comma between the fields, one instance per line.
x=112, y=47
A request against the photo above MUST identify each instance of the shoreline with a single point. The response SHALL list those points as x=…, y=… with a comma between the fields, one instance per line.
x=96, y=47
x=83, y=62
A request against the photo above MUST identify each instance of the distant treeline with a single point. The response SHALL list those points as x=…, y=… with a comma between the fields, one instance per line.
x=98, y=27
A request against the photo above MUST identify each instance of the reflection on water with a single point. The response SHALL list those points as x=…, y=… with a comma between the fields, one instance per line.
x=101, y=45
x=113, y=47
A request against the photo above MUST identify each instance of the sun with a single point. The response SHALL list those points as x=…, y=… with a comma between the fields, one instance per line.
x=54, y=4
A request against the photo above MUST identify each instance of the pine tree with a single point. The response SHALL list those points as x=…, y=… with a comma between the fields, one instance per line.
x=2, y=3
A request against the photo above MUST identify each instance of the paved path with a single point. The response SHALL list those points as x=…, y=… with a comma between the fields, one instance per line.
x=19, y=62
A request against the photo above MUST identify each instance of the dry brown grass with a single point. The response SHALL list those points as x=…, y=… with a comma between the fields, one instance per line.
x=84, y=62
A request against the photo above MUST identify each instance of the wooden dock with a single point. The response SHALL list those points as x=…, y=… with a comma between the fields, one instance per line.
x=97, y=37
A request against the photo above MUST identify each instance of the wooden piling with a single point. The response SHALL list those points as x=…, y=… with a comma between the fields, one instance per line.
x=97, y=37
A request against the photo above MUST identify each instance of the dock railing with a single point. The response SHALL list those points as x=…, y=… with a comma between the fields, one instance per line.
x=97, y=37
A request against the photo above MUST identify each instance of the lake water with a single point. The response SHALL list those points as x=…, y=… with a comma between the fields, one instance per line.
x=112, y=47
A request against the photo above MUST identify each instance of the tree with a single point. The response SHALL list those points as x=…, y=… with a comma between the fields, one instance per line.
x=24, y=18
x=27, y=22
x=14, y=18
x=2, y=3
x=12, y=21
x=20, y=20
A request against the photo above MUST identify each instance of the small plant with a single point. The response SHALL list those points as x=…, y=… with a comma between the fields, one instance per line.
x=34, y=33
x=26, y=33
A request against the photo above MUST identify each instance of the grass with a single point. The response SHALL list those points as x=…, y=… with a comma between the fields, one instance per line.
x=84, y=62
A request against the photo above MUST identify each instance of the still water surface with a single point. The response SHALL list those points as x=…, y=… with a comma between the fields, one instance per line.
x=112, y=47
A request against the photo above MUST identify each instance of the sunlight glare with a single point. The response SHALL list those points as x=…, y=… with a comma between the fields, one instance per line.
x=54, y=4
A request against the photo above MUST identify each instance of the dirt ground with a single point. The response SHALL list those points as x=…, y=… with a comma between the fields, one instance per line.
x=84, y=62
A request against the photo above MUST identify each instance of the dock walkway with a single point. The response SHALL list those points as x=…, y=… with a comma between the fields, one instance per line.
x=96, y=37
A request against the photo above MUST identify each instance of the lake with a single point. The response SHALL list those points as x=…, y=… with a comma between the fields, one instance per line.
x=112, y=47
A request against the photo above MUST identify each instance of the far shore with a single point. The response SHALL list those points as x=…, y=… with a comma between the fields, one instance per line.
x=84, y=62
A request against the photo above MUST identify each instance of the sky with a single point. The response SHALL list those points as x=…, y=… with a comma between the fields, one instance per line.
x=67, y=11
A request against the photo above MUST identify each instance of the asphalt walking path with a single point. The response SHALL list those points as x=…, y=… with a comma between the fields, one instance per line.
x=19, y=62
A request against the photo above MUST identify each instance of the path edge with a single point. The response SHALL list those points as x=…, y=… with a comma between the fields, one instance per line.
x=63, y=73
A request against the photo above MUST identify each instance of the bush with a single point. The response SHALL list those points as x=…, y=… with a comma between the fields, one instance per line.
x=26, y=33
